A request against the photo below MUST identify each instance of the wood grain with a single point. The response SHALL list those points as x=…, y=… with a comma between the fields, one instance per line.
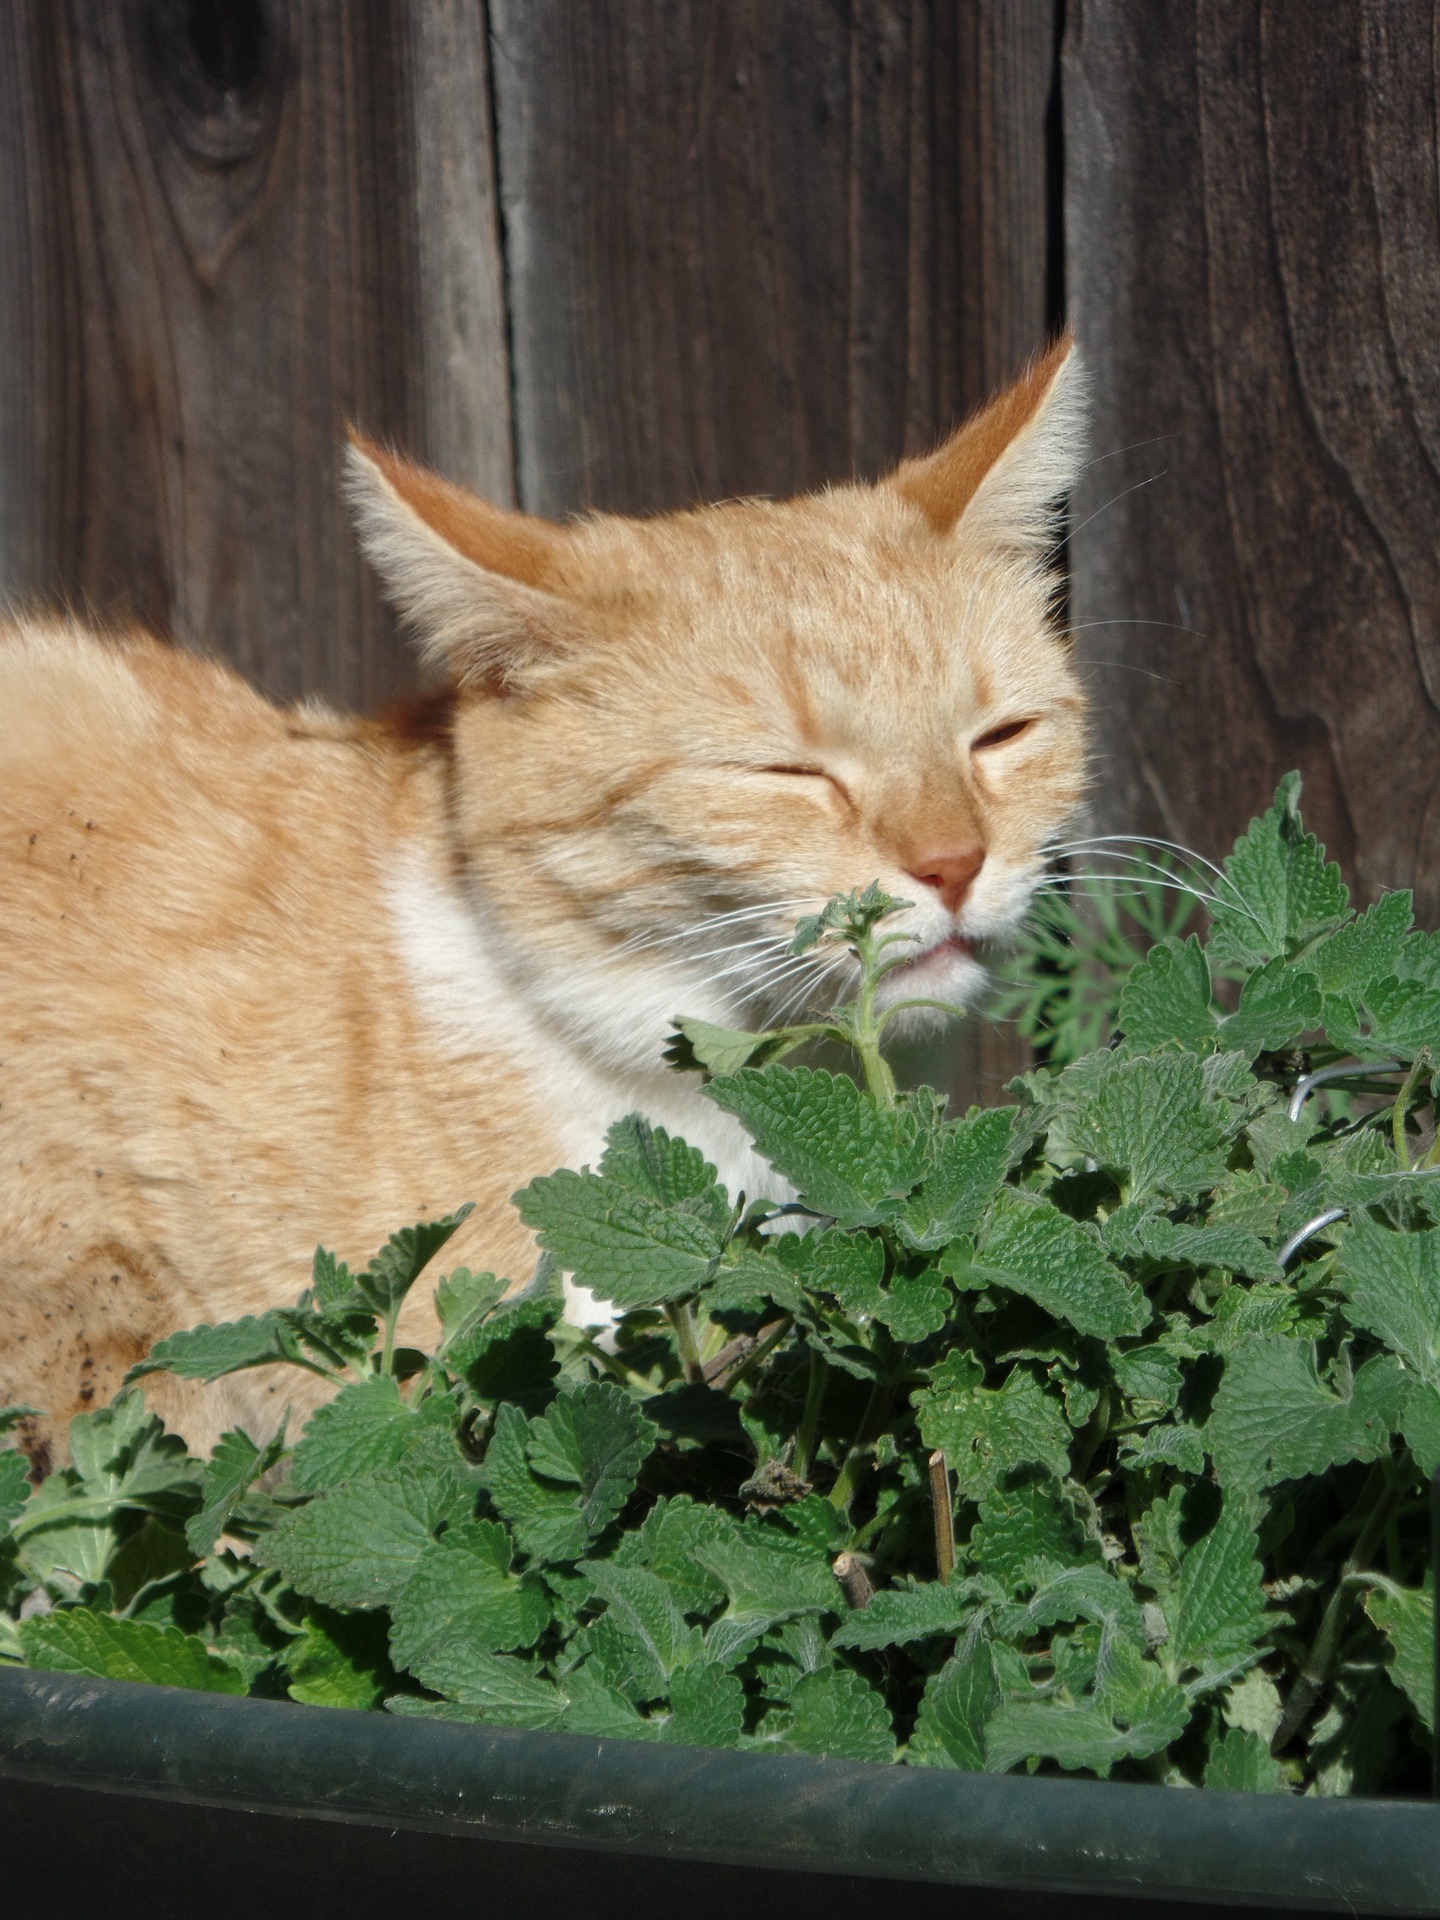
x=755, y=247
x=209, y=219
x=1254, y=267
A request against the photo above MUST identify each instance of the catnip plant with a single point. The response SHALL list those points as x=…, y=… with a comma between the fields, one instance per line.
x=1086, y=1433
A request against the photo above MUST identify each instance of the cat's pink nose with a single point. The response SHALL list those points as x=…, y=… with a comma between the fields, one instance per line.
x=951, y=874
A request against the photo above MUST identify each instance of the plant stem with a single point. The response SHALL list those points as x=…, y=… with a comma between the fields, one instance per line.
x=855, y=1583
x=944, y=1512
x=877, y=1412
x=1315, y=1673
x=770, y=1338
x=683, y=1322
x=810, y=1416
x=1402, y=1107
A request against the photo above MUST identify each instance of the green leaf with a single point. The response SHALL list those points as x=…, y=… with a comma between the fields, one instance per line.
x=970, y=1159
x=1364, y=951
x=1273, y=1417
x=338, y=1660
x=1240, y=1762
x=1157, y=1244
x=1181, y=1447
x=14, y=1487
x=897, y=1616
x=765, y=1582
x=1277, y=1005
x=1023, y=1519
x=1278, y=890
x=1406, y=1617
x=851, y=1266
x=1167, y=998
x=509, y=1355
x=917, y=1305
x=357, y=1545
x=234, y=1467
x=77, y=1640
x=1035, y=1250
x=643, y=1611
x=1218, y=1621
x=1136, y=1713
x=501, y=1690
x=700, y=1045
x=404, y=1257
x=622, y=1245
x=207, y=1353
x=707, y=1708
x=986, y=1432
x=1149, y=1374
x=562, y=1478
x=463, y=1301
x=1150, y=1120
x=957, y=1704
x=1391, y=1284
x=847, y=1157
x=668, y=1541
x=461, y=1598
x=831, y=1713
x=649, y=1161
x=363, y=1429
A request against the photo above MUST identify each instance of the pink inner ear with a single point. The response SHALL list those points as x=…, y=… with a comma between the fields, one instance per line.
x=520, y=546
x=943, y=483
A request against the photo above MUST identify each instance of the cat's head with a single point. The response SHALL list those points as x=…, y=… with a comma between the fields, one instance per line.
x=675, y=736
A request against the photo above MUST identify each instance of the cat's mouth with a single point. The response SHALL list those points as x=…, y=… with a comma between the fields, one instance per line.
x=953, y=946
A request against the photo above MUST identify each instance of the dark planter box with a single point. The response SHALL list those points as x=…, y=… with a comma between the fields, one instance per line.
x=119, y=1799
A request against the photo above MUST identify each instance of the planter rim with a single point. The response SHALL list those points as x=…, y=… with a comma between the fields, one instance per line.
x=782, y=1811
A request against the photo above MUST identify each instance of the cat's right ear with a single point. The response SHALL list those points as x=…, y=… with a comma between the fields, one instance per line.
x=481, y=586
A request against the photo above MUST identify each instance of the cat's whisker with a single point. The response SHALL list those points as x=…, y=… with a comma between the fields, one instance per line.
x=714, y=923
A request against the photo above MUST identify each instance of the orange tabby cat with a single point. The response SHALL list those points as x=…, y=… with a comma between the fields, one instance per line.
x=268, y=977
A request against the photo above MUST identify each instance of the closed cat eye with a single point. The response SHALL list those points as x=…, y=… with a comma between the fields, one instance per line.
x=998, y=736
x=812, y=773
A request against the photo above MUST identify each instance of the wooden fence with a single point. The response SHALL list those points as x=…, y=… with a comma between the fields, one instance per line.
x=632, y=253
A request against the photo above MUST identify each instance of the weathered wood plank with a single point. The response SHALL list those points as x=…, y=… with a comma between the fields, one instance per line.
x=1254, y=269
x=210, y=227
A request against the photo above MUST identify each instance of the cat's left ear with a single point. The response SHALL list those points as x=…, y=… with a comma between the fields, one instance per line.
x=999, y=477
x=484, y=588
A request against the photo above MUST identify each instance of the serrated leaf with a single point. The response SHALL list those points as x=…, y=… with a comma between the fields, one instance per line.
x=1364, y=950
x=957, y=1703
x=1063, y=1594
x=361, y=1430
x=1037, y=1251
x=707, y=1708
x=1278, y=1003
x=1181, y=1447
x=649, y=1161
x=970, y=1159
x=1241, y=1762
x=668, y=1541
x=701, y=1045
x=915, y=1306
x=1166, y=998
x=461, y=1598
x=834, y=1713
x=1156, y=1244
x=1278, y=890
x=501, y=1690
x=1020, y=1520
x=765, y=1583
x=234, y=1467
x=1218, y=1620
x=846, y=1156
x=1150, y=1120
x=357, y=1545
x=338, y=1660
x=642, y=1609
x=1406, y=1617
x=560, y=1479
x=464, y=1300
x=207, y=1353
x=1391, y=1284
x=1136, y=1714
x=404, y=1257
x=77, y=1640
x=1404, y=1017
x=624, y=1246
x=1273, y=1417
x=14, y=1487
x=897, y=1616
x=851, y=1266
x=985, y=1432
x=1147, y=1373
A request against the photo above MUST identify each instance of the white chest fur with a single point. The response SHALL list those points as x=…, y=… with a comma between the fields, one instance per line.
x=474, y=1012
